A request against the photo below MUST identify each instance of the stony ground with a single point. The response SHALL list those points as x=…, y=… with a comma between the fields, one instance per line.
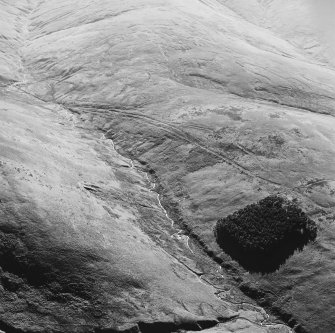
x=211, y=105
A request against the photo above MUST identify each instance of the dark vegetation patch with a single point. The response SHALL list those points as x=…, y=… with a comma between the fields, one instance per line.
x=199, y=159
x=166, y=327
x=169, y=327
x=234, y=114
x=262, y=236
x=269, y=146
x=172, y=206
x=276, y=139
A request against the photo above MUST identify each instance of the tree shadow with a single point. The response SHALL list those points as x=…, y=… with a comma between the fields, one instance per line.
x=267, y=261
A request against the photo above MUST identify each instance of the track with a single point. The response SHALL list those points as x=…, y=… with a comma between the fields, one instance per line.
x=175, y=133
x=182, y=237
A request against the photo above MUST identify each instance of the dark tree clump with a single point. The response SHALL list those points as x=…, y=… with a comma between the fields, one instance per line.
x=262, y=236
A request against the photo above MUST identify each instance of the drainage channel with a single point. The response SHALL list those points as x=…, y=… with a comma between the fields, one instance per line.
x=181, y=236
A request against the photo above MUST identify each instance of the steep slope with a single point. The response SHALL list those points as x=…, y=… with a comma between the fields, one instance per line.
x=85, y=244
x=222, y=107
x=75, y=251
x=13, y=33
x=308, y=25
x=184, y=47
x=73, y=255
